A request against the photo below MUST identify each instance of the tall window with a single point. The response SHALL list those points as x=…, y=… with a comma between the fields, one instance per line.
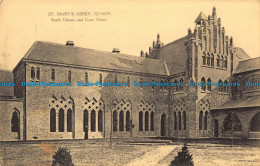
x=225, y=88
x=140, y=121
x=53, y=120
x=212, y=60
x=38, y=73
x=208, y=59
x=115, y=121
x=61, y=120
x=221, y=62
x=184, y=120
x=206, y=121
x=203, y=88
x=179, y=114
x=225, y=62
x=85, y=121
x=69, y=76
x=200, y=120
x=205, y=43
x=69, y=120
x=100, y=121
x=209, y=84
x=93, y=120
x=175, y=121
x=152, y=121
x=128, y=123
x=15, y=122
x=220, y=87
x=86, y=77
x=53, y=75
x=100, y=78
x=121, y=121
x=204, y=59
x=146, y=121
x=128, y=81
x=218, y=61
x=32, y=73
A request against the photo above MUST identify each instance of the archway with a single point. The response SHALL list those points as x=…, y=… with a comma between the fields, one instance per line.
x=163, y=124
x=254, y=126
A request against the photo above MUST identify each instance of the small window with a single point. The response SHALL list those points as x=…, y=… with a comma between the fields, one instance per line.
x=115, y=121
x=204, y=59
x=100, y=78
x=69, y=76
x=115, y=78
x=203, y=88
x=32, y=73
x=140, y=121
x=222, y=62
x=209, y=84
x=121, y=121
x=218, y=61
x=208, y=60
x=128, y=81
x=38, y=73
x=220, y=86
x=53, y=75
x=225, y=62
x=212, y=60
x=86, y=77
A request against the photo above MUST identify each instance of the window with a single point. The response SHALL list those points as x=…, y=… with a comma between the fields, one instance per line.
x=221, y=62
x=53, y=120
x=69, y=120
x=179, y=114
x=85, y=121
x=204, y=59
x=218, y=61
x=181, y=87
x=128, y=81
x=121, y=121
x=86, y=77
x=15, y=122
x=100, y=121
x=53, y=75
x=200, y=120
x=140, y=121
x=153, y=86
x=205, y=43
x=38, y=73
x=32, y=73
x=152, y=121
x=115, y=78
x=209, y=84
x=100, y=78
x=212, y=60
x=146, y=121
x=93, y=120
x=175, y=121
x=206, y=121
x=69, y=76
x=115, y=121
x=220, y=86
x=128, y=123
x=184, y=120
x=208, y=59
x=61, y=120
x=225, y=62
x=203, y=88
x=225, y=88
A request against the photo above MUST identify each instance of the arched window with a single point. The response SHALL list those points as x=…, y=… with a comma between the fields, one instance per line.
x=212, y=60
x=218, y=61
x=69, y=76
x=121, y=121
x=15, y=122
x=69, y=120
x=225, y=62
x=222, y=62
x=175, y=121
x=220, y=86
x=61, y=120
x=225, y=88
x=85, y=121
x=140, y=121
x=32, y=73
x=115, y=78
x=203, y=88
x=38, y=73
x=204, y=59
x=200, y=120
x=176, y=87
x=208, y=59
x=86, y=77
x=232, y=122
x=255, y=123
x=100, y=78
x=100, y=121
x=205, y=42
x=206, y=121
x=115, y=121
x=128, y=81
x=93, y=120
x=53, y=75
x=181, y=87
x=179, y=114
x=209, y=84
x=146, y=121
x=53, y=120
x=152, y=121
x=184, y=120
x=128, y=123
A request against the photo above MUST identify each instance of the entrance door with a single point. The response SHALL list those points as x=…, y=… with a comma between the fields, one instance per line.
x=163, y=119
x=215, y=128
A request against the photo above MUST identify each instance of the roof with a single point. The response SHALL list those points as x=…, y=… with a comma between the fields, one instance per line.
x=58, y=53
x=241, y=54
x=253, y=101
x=248, y=65
x=6, y=77
x=200, y=17
x=175, y=55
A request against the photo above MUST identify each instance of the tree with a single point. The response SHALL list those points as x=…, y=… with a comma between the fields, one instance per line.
x=184, y=158
x=62, y=157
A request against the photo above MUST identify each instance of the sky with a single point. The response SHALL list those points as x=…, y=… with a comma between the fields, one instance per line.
x=129, y=26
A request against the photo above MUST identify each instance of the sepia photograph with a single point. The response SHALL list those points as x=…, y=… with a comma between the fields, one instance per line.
x=129, y=83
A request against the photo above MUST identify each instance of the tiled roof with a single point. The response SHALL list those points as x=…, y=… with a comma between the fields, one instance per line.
x=6, y=77
x=175, y=55
x=248, y=65
x=71, y=55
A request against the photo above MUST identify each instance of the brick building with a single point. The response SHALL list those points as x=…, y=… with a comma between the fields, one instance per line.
x=84, y=112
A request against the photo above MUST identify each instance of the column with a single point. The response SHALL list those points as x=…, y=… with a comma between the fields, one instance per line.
x=65, y=120
x=57, y=121
x=96, y=121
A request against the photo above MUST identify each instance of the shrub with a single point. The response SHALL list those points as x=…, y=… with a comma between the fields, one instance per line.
x=62, y=157
x=184, y=158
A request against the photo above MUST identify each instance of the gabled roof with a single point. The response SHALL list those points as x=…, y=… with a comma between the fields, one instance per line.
x=241, y=54
x=248, y=65
x=200, y=17
x=71, y=55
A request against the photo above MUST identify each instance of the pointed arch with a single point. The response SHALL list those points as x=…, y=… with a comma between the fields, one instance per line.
x=100, y=120
x=53, y=120
x=128, y=122
x=232, y=122
x=93, y=121
x=255, y=123
x=61, y=120
x=209, y=84
x=121, y=121
x=15, y=127
x=69, y=120
x=32, y=73
x=203, y=88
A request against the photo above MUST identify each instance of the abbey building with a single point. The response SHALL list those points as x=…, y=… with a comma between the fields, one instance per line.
x=205, y=55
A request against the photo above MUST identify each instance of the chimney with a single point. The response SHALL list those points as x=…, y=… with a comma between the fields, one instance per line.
x=116, y=50
x=69, y=43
